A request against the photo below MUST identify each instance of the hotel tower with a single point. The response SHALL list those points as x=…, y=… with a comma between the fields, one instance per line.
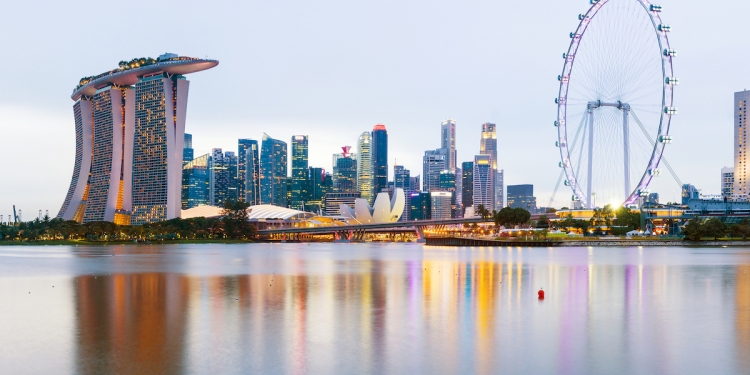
x=130, y=127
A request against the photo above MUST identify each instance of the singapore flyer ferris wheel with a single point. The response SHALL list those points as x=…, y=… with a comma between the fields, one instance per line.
x=615, y=102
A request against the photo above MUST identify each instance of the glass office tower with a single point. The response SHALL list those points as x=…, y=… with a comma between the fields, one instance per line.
x=379, y=158
x=299, y=183
x=195, y=182
x=273, y=172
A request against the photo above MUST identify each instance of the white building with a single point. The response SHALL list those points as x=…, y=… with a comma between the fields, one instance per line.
x=448, y=143
x=484, y=187
x=365, y=175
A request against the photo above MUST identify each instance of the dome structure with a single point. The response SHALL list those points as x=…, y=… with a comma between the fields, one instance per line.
x=384, y=210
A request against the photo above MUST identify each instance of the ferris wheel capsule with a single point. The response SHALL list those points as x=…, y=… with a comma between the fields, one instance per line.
x=672, y=81
x=655, y=8
x=665, y=28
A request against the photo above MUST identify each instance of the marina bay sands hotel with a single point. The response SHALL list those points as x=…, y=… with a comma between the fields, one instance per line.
x=130, y=126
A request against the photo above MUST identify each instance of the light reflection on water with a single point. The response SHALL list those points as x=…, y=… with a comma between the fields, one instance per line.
x=373, y=308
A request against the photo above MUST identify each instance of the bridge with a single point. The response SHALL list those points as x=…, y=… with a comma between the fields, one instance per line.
x=356, y=232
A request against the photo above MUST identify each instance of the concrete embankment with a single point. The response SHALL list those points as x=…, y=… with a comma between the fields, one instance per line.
x=457, y=241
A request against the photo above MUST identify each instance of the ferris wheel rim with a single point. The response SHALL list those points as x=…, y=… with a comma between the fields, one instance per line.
x=665, y=118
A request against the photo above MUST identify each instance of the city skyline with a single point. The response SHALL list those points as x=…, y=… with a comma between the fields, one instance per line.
x=498, y=99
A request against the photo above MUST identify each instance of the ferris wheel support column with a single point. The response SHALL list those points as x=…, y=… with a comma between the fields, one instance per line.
x=591, y=156
x=626, y=146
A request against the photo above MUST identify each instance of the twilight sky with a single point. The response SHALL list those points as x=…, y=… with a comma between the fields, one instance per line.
x=333, y=69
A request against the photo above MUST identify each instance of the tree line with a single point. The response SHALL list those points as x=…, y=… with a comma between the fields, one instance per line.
x=232, y=224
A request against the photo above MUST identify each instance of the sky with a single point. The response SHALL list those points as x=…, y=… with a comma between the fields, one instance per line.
x=333, y=69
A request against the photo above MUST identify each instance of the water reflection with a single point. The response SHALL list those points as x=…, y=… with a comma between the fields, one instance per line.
x=437, y=311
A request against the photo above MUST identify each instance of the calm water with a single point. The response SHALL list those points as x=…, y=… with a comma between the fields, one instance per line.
x=373, y=308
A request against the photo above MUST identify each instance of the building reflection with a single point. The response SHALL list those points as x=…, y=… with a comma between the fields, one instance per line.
x=439, y=314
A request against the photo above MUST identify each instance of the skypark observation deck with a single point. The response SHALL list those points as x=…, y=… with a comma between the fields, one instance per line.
x=179, y=65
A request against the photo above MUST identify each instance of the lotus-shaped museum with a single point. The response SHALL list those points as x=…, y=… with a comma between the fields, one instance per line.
x=385, y=209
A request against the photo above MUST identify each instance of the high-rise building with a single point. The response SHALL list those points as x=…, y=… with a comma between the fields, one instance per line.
x=130, y=126
x=195, y=182
x=420, y=206
x=187, y=149
x=233, y=190
x=467, y=188
x=414, y=184
x=219, y=178
x=433, y=162
x=458, y=194
x=488, y=146
x=741, y=186
x=402, y=180
x=365, y=171
x=380, y=158
x=273, y=172
x=448, y=143
x=317, y=189
x=299, y=182
x=448, y=184
x=522, y=196
x=727, y=182
x=440, y=205
x=484, y=188
x=248, y=170
x=345, y=171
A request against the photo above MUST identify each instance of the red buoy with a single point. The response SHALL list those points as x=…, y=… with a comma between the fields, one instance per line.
x=540, y=293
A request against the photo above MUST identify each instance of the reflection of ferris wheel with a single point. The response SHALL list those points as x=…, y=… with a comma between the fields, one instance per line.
x=617, y=73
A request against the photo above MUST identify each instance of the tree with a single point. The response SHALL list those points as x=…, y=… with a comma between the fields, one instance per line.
x=542, y=222
x=714, y=228
x=483, y=212
x=234, y=217
x=627, y=218
x=693, y=230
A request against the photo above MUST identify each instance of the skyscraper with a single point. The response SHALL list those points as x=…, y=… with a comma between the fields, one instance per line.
x=740, y=143
x=522, y=196
x=380, y=158
x=484, y=188
x=317, y=189
x=421, y=206
x=220, y=183
x=248, y=171
x=195, y=183
x=365, y=175
x=273, y=172
x=467, y=188
x=299, y=193
x=344, y=171
x=233, y=191
x=727, y=182
x=130, y=141
x=187, y=149
x=402, y=180
x=448, y=143
x=433, y=162
x=441, y=205
x=488, y=146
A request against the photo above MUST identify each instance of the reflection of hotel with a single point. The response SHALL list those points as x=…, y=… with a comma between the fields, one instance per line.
x=130, y=125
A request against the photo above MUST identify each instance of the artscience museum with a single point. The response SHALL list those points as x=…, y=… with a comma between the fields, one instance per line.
x=385, y=209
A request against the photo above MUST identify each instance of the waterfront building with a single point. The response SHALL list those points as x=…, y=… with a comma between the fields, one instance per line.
x=380, y=158
x=334, y=200
x=522, y=196
x=653, y=198
x=317, y=189
x=195, y=182
x=345, y=171
x=447, y=183
x=741, y=100
x=484, y=188
x=448, y=143
x=187, y=149
x=467, y=184
x=273, y=172
x=387, y=209
x=130, y=126
x=457, y=194
x=248, y=170
x=441, y=205
x=402, y=180
x=420, y=206
x=299, y=182
x=433, y=162
x=365, y=172
x=230, y=158
x=727, y=182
